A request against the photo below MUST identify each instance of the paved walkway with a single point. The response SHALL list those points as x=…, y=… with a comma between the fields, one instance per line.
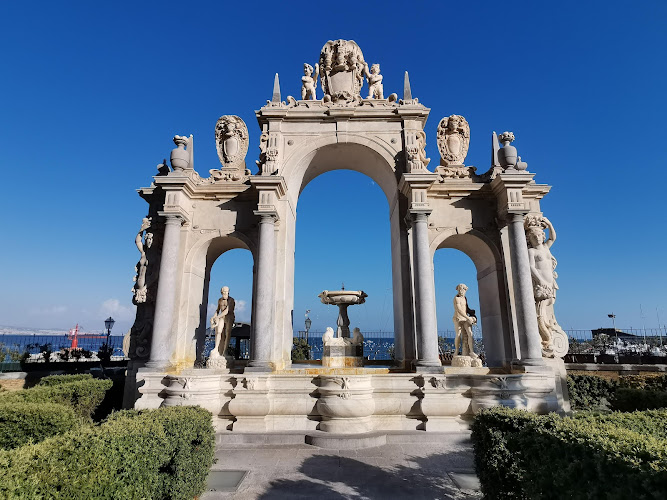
x=415, y=471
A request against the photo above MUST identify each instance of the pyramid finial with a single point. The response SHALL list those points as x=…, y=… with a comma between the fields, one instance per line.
x=407, y=93
x=276, y=90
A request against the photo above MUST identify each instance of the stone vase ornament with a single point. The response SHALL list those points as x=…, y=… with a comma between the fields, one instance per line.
x=507, y=155
x=180, y=158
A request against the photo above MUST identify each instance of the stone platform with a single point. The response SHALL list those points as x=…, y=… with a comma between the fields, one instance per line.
x=350, y=400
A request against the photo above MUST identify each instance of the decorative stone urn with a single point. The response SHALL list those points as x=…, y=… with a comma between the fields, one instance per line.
x=346, y=404
x=180, y=158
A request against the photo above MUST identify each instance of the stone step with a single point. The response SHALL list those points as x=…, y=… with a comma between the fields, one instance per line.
x=329, y=440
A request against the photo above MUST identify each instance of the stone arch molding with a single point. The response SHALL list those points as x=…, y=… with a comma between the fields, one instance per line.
x=193, y=219
x=304, y=165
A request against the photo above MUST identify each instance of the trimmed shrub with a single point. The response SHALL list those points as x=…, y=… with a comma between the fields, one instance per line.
x=590, y=391
x=21, y=423
x=82, y=396
x=519, y=455
x=648, y=381
x=157, y=454
x=52, y=380
x=638, y=399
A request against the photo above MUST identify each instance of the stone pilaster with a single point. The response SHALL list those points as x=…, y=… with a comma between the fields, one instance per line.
x=161, y=345
x=512, y=207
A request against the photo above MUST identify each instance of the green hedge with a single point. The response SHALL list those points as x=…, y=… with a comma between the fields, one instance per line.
x=627, y=393
x=52, y=380
x=83, y=395
x=522, y=455
x=638, y=399
x=21, y=423
x=156, y=454
x=589, y=391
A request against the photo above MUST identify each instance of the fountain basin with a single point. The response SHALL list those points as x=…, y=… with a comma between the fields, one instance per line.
x=347, y=297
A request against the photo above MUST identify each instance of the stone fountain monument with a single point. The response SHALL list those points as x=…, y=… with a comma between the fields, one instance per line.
x=342, y=350
x=196, y=212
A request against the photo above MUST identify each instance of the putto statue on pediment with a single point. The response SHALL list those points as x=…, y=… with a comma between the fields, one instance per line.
x=342, y=70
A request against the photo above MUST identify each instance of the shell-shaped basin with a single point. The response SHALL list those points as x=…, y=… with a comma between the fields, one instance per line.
x=336, y=297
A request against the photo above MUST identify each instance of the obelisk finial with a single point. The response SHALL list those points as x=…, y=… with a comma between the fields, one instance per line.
x=276, y=90
x=494, y=150
x=407, y=93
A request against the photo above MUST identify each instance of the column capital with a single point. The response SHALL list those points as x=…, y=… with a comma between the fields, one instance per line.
x=419, y=215
x=267, y=216
x=172, y=218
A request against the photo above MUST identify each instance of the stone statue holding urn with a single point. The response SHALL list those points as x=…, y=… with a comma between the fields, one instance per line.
x=222, y=323
x=464, y=318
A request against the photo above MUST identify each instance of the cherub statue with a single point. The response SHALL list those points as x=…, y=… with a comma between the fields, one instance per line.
x=464, y=318
x=357, y=337
x=543, y=272
x=375, y=89
x=328, y=335
x=223, y=322
x=309, y=81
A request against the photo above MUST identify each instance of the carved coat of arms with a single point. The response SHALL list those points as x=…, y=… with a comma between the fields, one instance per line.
x=453, y=139
x=342, y=71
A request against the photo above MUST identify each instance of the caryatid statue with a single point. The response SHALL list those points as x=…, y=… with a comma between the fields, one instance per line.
x=222, y=322
x=142, y=242
x=464, y=318
x=543, y=272
x=309, y=81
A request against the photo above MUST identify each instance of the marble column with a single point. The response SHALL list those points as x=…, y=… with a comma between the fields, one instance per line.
x=263, y=332
x=427, y=333
x=526, y=316
x=161, y=342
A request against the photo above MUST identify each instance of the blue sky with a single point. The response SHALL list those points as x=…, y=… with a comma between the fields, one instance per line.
x=93, y=92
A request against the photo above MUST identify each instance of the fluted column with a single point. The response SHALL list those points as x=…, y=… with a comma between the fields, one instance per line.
x=427, y=333
x=526, y=316
x=161, y=342
x=263, y=333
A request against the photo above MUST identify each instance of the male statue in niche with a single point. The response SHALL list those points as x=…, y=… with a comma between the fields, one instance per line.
x=464, y=318
x=222, y=323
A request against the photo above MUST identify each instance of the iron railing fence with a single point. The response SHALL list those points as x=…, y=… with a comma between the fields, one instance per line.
x=31, y=347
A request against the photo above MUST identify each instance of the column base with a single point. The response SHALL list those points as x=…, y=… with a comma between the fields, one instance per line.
x=158, y=366
x=258, y=366
x=424, y=366
x=530, y=362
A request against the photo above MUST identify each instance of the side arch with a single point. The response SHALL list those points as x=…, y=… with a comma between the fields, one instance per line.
x=491, y=286
x=198, y=261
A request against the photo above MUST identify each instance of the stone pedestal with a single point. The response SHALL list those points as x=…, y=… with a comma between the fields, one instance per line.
x=218, y=362
x=443, y=402
x=346, y=404
x=342, y=353
x=466, y=362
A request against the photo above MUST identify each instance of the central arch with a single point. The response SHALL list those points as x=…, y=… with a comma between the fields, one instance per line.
x=376, y=160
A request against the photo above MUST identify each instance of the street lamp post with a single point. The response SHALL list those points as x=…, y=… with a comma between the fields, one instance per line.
x=108, y=323
x=308, y=324
x=613, y=322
